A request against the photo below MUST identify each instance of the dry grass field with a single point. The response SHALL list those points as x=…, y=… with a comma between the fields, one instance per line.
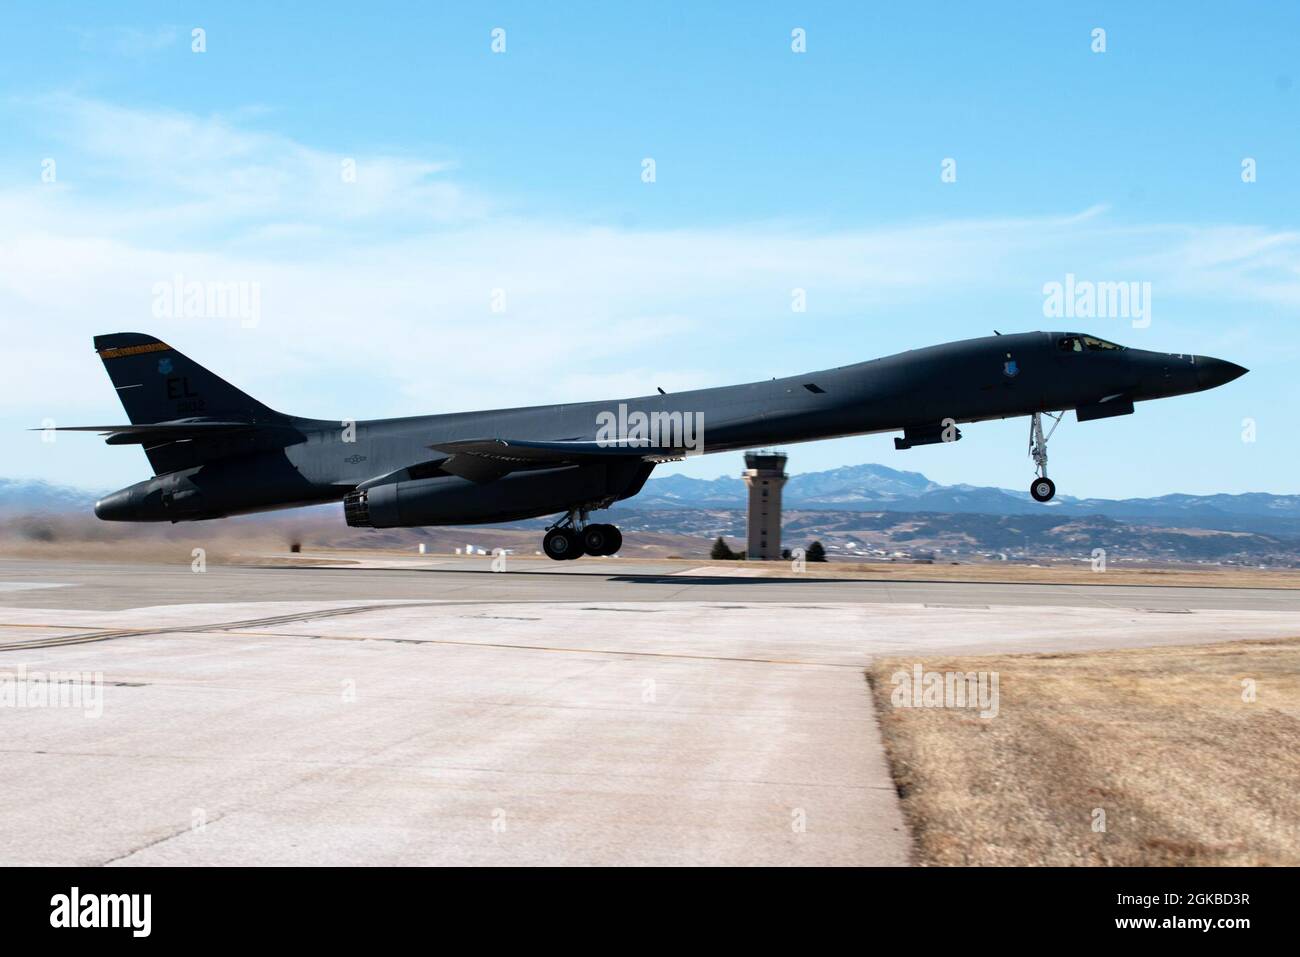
x=1160, y=740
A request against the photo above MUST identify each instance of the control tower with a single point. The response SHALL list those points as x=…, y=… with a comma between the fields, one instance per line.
x=765, y=476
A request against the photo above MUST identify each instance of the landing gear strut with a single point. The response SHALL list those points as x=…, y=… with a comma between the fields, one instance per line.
x=572, y=537
x=1042, y=488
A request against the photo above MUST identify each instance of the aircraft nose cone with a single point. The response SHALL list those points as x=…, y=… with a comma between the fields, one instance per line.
x=115, y=507
x=1211, y=372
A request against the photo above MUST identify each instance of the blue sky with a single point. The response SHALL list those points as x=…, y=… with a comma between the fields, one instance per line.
x=520, y=172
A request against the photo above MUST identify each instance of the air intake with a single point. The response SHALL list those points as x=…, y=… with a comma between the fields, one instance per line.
x=356, y=509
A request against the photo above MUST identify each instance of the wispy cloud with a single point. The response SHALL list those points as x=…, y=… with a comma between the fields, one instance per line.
x=383, y=289
x=145, y=170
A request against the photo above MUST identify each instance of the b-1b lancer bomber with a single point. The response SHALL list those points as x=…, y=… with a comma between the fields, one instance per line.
x=216, y=451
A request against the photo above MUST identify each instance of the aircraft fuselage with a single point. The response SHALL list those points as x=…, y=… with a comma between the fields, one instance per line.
x=923, y=392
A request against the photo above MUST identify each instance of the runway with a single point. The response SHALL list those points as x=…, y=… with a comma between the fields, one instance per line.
x=602, y=713
x=127, y=585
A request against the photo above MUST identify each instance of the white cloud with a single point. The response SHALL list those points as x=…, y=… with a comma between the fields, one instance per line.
x=376, y=295
x=137, y=172
x=1243, y=263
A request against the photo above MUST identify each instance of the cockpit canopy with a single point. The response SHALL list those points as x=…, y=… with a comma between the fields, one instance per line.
x=1076, y=342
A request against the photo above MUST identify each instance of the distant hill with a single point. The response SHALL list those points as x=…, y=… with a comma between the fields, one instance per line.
x=895, y=534
x=878, y=488
x=18, y=495
x=851, y=486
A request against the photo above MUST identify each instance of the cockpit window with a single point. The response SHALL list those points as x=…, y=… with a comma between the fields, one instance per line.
x=1089, y=343
x=1099, y=345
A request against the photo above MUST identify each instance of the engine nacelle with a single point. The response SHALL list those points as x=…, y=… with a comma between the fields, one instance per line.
x=452, y=500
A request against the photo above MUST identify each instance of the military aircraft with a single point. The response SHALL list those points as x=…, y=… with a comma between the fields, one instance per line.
x=216, y=451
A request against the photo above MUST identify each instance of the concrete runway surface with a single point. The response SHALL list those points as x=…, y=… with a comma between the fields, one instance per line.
x=428, y=712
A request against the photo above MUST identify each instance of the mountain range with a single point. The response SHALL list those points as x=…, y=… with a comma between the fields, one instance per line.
x=878, y=488
x=20, y=495
x=865, y=488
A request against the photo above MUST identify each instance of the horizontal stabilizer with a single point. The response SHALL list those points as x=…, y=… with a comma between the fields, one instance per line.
x=178, y=431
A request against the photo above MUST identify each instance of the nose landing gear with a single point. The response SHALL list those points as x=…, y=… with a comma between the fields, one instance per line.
x=1042, y=489
x=571, y=537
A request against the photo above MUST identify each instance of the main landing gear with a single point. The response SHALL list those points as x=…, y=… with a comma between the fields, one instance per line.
x=1043, y=489
x=571, y=537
